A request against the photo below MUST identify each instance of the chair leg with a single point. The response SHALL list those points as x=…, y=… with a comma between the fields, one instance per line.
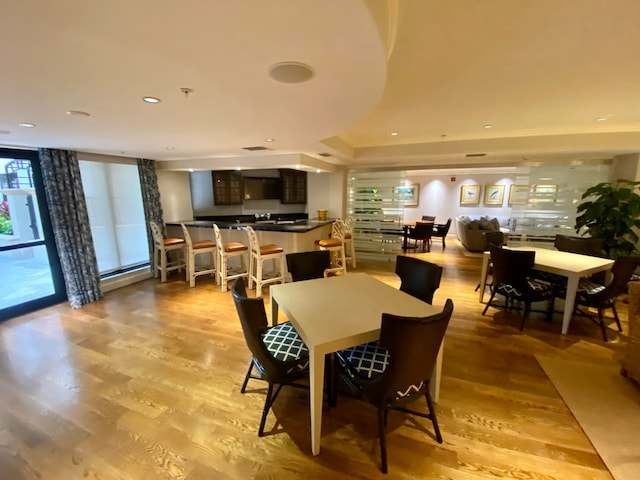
x=615, y=315
x=603, y=327
x=267, y=406
x=525, y=314
x=247, y=377
x=486, y=307
x=432, y=414
x=382, y=415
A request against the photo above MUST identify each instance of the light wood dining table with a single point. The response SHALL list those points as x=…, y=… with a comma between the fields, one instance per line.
x=334, y=313
x=571, y=265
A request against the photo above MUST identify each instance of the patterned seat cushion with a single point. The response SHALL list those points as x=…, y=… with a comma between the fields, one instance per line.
x=537, y=289
x=366, y=361
x=284, y=343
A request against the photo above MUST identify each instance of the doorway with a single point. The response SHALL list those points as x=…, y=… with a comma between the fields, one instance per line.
x=29, y=263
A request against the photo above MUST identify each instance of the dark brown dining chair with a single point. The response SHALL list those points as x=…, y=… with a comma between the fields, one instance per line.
x=418, y=278
x=513, y=279
x=600, y=297
x=440, y=230
x=396, y=369
x=495, y=238
x=279, y=355
x=593, y=247
x=421, y=234
x=308, y=265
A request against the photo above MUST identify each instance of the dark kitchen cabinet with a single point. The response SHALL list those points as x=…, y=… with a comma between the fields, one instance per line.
x=227, y=188
x=294, y=186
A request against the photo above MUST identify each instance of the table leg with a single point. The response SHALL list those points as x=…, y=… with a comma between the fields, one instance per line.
x=405, y=234
x=274, y=311
x=569, y=300
x=316, y=384
x=483, y=274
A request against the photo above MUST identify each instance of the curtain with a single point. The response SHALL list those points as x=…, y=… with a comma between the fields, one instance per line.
x=150, y=199
x=70, y=221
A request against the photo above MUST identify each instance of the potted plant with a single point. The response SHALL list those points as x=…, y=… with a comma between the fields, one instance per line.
x=611, y=211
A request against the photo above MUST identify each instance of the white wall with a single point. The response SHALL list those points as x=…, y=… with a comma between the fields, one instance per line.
x=325, y=191
x=175, y=195
x=440, y=196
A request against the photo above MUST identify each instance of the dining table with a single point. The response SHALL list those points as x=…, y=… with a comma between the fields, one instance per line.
x=335, y=313
x=571, y=265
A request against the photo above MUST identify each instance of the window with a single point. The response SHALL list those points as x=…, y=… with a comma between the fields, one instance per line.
x=116, y=215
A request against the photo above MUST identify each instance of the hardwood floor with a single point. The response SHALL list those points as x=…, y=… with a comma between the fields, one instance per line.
x=145, y=384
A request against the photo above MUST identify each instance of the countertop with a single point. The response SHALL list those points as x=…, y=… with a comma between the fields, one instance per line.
x=287, y=226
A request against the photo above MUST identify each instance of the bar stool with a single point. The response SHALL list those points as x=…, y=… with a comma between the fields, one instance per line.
x=349, y=244
x=193, y=249
x=161, y=248
x=335, y=245
x=226, y=251
x=260, y=254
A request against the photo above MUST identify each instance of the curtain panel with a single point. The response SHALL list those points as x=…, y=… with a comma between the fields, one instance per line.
x=151, y=200
x=70, y=221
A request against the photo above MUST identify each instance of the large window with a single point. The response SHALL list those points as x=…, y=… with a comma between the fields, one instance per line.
x=116, y=215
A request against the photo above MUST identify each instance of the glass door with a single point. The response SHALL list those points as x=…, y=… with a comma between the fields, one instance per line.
x=29, y=264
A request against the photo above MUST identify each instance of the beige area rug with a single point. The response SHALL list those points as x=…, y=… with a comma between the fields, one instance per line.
x=466, y=252
x=607, y=407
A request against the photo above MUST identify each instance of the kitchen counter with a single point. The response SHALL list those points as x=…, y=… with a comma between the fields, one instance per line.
x=287, y=226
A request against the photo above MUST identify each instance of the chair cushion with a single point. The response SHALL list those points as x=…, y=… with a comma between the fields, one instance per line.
x=366, y=361
x=204, y=244
x=235, y=247
x=328, y=242
x=537, y=289
x=168, y=242
x=284, y=343
x=270, y=249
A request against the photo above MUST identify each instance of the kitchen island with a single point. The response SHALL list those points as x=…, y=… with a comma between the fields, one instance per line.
x=292, y=235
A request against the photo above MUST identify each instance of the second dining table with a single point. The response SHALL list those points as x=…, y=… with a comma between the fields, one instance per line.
x=571, y=265
x=335, y=313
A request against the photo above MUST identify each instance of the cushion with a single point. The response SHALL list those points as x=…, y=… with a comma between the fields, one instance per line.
x=464, y=219
x=284, y=343
x=367, y=360
x=474, y=225
x=495, y=224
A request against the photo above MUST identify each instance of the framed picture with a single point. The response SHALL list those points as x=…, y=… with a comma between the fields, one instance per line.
x=546, y=188
x=493, y=194
x=469, y=194
x=518, y=194
x=410, y=194
x=545, y=193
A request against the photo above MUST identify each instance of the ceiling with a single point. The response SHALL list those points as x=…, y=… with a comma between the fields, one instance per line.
x=556, y=80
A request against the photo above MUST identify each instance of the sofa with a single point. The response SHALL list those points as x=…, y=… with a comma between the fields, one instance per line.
x=470, y=230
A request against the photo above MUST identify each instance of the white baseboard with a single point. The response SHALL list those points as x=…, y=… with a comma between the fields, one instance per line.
x=125, y=279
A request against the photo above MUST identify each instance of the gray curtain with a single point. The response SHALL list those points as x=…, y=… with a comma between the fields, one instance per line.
x=150, y=199
x=70, y=221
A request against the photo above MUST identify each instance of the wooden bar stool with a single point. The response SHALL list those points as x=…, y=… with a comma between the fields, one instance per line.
x=194, y=249
x=335, y=245
x=349, y=245
x=225, y=252
x=260, y=254
x=161, y=248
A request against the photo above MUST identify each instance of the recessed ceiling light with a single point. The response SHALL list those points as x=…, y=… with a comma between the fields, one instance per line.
x=394, y=134
x=601, y=119
x=269, y=140
x=191, y=169
x=171, y=148
x=238, y=169
x=291, y=72
x=78, y=113
x=151, y=99
x=27, y=125
x=488, y=126
x=317, y=170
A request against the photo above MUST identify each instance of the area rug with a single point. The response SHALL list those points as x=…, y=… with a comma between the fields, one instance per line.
x=607, y=407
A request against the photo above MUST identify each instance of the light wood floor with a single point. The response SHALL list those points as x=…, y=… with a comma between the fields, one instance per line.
x=144, y=384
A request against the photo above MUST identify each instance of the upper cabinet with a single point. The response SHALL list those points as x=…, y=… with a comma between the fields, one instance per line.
x=227, y=188
x=294, y=186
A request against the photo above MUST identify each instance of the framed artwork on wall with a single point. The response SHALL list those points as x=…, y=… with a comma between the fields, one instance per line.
x=518, y=194
x=410, y=194
x=493, y=194
x=469, y=194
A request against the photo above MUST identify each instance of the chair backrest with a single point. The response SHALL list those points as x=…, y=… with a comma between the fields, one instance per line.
x=187, y=237
x=622, y=270
x=157, y=234
x=413, y=344
x=493, y=238
x=254, y=244
x=511, y=267
x=421, y=231
x=218, y=237
x=348, y=225
x=583, y=245
x=428, y=218
x=337, y=230
x=308, y=265
x=253, y=319
x=443, y=228
x=418, y=278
